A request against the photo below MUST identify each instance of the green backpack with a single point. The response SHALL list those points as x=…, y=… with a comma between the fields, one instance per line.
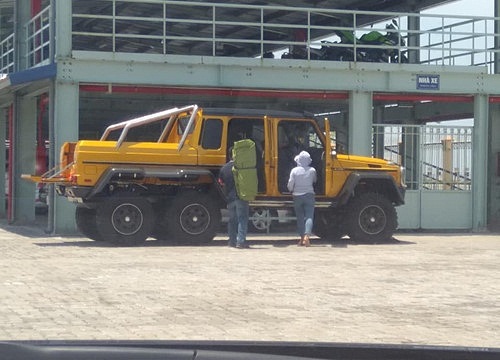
x=244, y=169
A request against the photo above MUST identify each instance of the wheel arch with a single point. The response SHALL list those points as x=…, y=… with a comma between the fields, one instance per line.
x=377, y=182
x=183, y=176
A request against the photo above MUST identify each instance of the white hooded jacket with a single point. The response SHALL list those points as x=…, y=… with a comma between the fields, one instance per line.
x=303, y=176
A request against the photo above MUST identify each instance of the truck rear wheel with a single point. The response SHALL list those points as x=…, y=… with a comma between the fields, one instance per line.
x=86, y=223
x=125, y=221
x=372, y=218
x=192, y=218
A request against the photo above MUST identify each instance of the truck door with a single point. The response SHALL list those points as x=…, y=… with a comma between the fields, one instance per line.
x=210, y=146
x=295, y=136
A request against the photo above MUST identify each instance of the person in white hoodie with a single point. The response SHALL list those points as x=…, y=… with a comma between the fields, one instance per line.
x=301, y=185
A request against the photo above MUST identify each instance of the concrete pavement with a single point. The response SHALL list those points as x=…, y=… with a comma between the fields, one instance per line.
x=439, y=289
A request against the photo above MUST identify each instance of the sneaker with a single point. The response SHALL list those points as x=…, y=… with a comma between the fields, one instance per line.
x=243, y=246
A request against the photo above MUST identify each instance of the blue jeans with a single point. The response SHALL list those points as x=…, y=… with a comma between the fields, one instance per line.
x=304, y=211
x=237, y=225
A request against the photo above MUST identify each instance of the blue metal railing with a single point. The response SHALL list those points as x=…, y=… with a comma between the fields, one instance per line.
x=7, y=55
x=39, y=37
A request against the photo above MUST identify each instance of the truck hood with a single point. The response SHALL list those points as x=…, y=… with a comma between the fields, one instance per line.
x=356, y=161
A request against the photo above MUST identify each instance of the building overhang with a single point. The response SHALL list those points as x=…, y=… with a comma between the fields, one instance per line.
x=26, y=81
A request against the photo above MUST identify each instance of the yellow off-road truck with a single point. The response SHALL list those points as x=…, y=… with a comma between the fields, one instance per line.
x=156, y=176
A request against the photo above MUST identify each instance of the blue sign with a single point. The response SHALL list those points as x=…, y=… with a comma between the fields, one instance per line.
x=427, y=82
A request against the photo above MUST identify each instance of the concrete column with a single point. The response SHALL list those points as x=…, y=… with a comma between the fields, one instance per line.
x=63, y=127
x=410, y=151
x=63, y=117
x=414, y=39
x=480, y=163
x=496, y=69
x=379, y=136
x=62, y=13
x=22, y=16
x=24, y=159
x=447, y=163
x=494, y=171
x=360, y=123
x=3, y=156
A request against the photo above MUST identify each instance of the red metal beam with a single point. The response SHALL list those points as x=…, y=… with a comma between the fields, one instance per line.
x=36, y=7
x=295, y=94
x=325, y=95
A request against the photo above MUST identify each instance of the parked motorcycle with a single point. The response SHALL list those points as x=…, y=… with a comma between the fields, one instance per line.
x=379, y=50
x=302, y=53
x=383, y=52
x=382, y=47
x=345, y=52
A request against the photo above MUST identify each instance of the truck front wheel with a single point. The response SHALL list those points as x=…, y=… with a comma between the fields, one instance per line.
x=371, y=218
x=125, y=221
x=192, y=218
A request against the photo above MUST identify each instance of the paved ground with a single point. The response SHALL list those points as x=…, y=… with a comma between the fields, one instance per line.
x=420, y=289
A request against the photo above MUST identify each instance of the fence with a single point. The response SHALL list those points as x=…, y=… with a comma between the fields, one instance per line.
x=458, y=41
x=435, y=157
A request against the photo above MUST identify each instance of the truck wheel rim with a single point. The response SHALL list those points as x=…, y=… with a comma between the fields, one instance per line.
x=260, y=219
x=195, y=219
x=127, y=219
x=372, y=219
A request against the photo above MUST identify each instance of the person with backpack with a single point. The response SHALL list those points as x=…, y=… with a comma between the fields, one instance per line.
x=238, y=178
x=301, y=185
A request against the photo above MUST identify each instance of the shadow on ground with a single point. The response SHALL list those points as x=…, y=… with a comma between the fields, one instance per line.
x=284, y=238
x=255, y=243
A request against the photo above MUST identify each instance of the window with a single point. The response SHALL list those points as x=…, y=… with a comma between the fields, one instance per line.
x=183, y=124
x=211, y=134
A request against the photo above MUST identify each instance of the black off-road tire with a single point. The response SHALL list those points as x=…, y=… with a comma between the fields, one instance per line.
x=371, y=218
x=125, y=221
x=86, y=223
x=192, y=218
